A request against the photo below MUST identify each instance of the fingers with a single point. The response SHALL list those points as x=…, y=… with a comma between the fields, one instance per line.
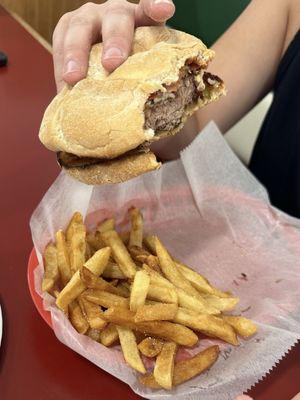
x=149, y=12
x=82, y=31
x=117, y=34
x=58, y=50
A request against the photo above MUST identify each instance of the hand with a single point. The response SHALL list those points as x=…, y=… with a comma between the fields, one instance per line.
x=113, y=22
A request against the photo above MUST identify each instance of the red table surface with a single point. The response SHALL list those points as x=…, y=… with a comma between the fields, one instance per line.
x=33, y=363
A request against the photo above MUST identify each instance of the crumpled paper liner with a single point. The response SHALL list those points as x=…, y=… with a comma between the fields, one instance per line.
x=213, y=214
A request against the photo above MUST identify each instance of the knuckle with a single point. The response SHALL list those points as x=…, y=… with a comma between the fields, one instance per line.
x=81, y=19
x=117, y=6
x=89, y=6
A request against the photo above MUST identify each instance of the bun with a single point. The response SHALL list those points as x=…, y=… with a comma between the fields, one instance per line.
x=115, y=171
x=103, y=115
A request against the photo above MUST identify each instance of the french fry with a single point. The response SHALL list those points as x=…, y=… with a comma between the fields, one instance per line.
x=63, y=260
x=221, y=303
x=106, y=225
x=94, y=241
x=114, y=282
x=109, y=335
x=76, y=235
x=163, y=329
x=112, y=271
x=77, y=318
x=94, y=334
x=198, y=281
x=162, y=294
x=156, y=312
x=88, y=251
x=130, y=349
x=150, y=347
x=170, y=270
x=139, y=290
x=195, y=303
x=164, y=366
x=149, y=242
x=136, y=232
x=105, y=299
x=207, y=324
x=136, y=253
x=51, y=273
x=153, y=263
x=187, y=369
x=156, y=278
x=243, y=326
x=120, y=253
x=75, y=286
x=124, y=291
x=92, y=313
x=92, y=281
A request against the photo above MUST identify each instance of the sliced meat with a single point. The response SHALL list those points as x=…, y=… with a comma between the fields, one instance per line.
x=164, y=111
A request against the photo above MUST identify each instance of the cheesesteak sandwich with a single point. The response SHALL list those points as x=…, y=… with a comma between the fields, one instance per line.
x=101, y=128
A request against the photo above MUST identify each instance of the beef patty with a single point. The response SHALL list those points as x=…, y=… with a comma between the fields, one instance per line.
x=164, y=111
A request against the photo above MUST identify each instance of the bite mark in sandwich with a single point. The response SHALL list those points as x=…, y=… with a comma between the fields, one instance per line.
x=158, y=113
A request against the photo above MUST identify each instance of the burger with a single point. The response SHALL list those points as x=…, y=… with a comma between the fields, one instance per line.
x=102, y=128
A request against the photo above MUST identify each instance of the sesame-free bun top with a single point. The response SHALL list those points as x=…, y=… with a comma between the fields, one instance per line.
x=103, y=115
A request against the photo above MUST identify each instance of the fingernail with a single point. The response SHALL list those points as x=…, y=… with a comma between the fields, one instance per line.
x=113, y=52
x=72, y=66
x=162, y=2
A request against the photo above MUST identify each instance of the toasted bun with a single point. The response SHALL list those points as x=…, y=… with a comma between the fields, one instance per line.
x=115, y=171
x=103, y=115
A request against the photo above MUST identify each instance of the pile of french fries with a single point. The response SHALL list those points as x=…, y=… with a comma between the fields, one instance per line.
x=126, y=288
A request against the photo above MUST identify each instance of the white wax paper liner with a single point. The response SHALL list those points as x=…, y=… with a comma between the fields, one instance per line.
x=213, y=214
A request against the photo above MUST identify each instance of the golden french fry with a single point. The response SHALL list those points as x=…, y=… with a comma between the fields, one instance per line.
x=63, y=260
x=92, y=281
x=156, y=278
x=95, y=241
x=162, y=294
x=75, y=286
x=156, y=312
x=76, y=235
x=195, y=303
x=149, y=242
x=130, y=349
x=164, y=366
x=94, y=334
x=51, y=272
x=153, y=263
x=88, y=251
x=163, y=329
x=221, y=303
x=136, y=232
x=170, y=270
x=139, y=290
x=120, y=253
x=150, y=347
x=207, y=324
x=199, y=281
x=92, y=313
x=109, y=335
x=55, y=293
x=106, y=225
x=136, y=253
x=123, y=290
x=77, y=318
x=105, y=299
x=187, y=369
x=243, y=326
x=112, y=271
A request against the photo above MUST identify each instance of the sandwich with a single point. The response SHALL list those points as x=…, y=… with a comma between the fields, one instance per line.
x=101, y=129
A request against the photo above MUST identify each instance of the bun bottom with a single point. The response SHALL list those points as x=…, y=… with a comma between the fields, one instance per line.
x=115, y=171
